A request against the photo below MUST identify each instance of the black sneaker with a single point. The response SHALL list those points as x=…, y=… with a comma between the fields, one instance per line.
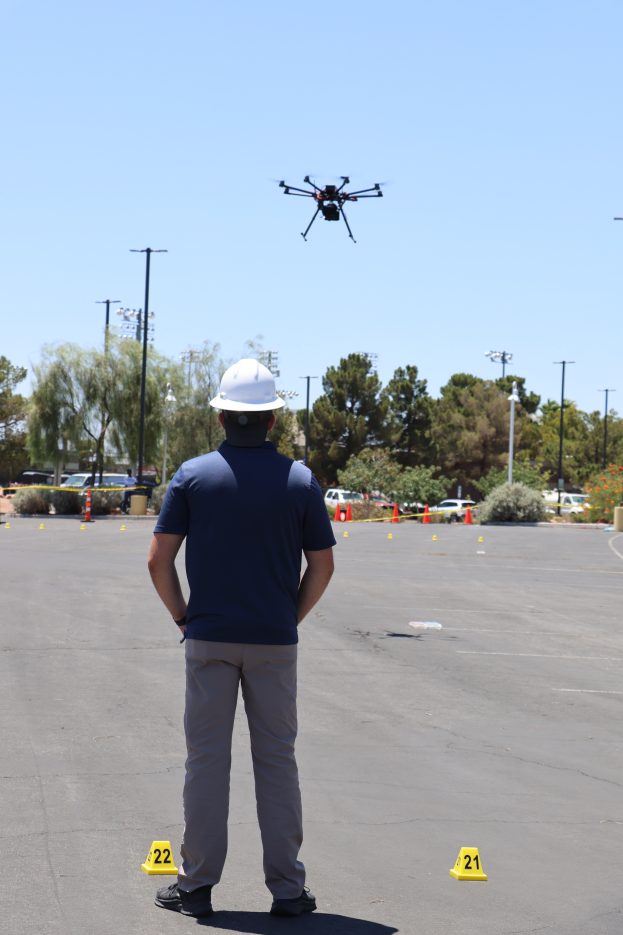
x=197, y=904
x=294, y=907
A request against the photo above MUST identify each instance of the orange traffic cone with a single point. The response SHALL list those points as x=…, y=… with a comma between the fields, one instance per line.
x=338, y=514
x=468, y=517
x=395, y=514
x=426, y=517
x=349, y=513
x=87, y=507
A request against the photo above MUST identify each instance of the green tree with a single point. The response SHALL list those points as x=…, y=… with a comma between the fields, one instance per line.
x=347, y=417
x=470, y=428
x=194, y=428
x=529, y=401
x=370, y=471
x=421, y=484
x=524, y=472
x=575, y=442
x=407, y=428
x=13, y=450
x=286, y=434
x=82, y=396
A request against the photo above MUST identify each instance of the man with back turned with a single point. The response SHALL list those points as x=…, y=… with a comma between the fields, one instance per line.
x=248, y=514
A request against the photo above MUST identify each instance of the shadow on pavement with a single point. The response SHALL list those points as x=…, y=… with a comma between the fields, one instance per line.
x=261, y=923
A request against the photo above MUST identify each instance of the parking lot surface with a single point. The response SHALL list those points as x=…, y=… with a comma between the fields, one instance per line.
x=498, y=728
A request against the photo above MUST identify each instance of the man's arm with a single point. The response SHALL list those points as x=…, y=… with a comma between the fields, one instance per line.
x=161, y=563
x=315, y=580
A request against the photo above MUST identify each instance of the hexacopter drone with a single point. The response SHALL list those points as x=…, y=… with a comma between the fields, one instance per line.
x=330, y=199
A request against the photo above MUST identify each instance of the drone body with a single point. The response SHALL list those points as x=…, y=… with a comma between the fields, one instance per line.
x=330, y=200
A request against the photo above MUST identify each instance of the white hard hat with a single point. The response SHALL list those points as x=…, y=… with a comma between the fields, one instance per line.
x=247, y=386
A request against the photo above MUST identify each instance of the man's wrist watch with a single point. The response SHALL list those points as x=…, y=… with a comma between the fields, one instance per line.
x=181, y=622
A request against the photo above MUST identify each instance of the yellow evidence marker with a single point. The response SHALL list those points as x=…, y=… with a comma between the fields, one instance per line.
x=7, y=525
x=390, y=535
x=82, y=527
x=468, y=865
x=435, y=539
x=481, y=538
x=41, y=525
x=346, y=535
x=123, y=527
x=159, y=860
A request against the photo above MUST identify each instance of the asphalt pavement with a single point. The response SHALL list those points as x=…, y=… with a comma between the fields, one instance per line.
x=463, y=690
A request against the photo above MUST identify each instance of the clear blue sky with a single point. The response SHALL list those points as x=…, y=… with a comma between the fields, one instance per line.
x=497, y=125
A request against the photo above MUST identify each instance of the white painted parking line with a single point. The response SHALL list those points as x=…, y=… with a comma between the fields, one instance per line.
x=516, y=632
x=588, y=691
x=613, y=547
x=475, y=652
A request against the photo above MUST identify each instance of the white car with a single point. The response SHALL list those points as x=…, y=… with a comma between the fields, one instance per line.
x=453, y=511
x=336, y=495
x=570, y=503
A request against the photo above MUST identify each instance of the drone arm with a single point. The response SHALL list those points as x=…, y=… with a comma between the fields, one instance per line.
x=290, y=190
x=375, y=188
x=304, y=235
x=313, y=184
x=350, y=233
x=355, y=196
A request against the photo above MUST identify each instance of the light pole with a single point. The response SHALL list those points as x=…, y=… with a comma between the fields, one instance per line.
x=169, y=408
x=513, y=398
x=307, y=418
x=141, y=432
x=132, y=323
x=604, y=462
x=106, y=302
x=500, y=357
x=561, y=481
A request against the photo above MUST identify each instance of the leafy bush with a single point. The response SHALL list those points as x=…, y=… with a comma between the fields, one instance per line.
x=104, y=502
x=513, y=503
x=605, y=491
x=419, y=485
x=528, y=474
x=157, y=496
x=66, y=502
x=31, y=500
x=362, y=510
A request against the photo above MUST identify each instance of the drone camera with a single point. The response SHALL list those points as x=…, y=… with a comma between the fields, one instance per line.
x=331, y=212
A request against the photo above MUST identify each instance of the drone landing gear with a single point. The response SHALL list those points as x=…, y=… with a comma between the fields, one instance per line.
x=350, y=233
x=306, y=231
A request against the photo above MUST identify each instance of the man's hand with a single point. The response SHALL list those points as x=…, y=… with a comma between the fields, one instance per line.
x=315, y=580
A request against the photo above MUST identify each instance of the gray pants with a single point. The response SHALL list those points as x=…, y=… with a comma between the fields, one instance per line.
x=268, y=678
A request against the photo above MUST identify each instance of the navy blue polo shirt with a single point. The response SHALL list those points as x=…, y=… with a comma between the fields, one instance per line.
x=247, y=514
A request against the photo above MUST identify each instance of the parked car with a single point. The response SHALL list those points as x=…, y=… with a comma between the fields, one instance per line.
x=336, y=495
x=570, y=503
x=33, y=477
x=384, y=503
x=82, y=481
x=453, y=511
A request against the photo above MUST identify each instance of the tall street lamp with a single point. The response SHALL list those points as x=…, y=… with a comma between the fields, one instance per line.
x=561, y=482
x=106, y=302
x=169, y=408
x=500, y=357
x=141, y=433
x=307, y=418
x=513, y=398
x=604, y=461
